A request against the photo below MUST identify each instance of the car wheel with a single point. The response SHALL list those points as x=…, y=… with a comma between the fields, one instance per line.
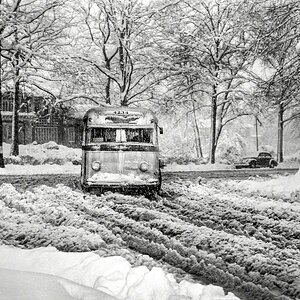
x=252, y=164
x=272, y=164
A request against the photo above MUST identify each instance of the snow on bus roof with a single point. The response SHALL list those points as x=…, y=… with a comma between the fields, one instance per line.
x=129, y=115
x=105, y=109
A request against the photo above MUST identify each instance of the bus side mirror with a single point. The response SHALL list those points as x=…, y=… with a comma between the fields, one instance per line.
x=161, y=130
x=162, y=163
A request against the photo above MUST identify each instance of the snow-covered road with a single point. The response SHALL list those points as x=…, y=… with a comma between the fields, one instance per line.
x=247, y=244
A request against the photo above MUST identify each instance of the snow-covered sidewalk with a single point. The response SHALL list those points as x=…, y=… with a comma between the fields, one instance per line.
x=67, y=168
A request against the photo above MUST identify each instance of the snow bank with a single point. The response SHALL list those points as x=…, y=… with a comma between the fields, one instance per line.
x=67, y=168
x=39, y=154
x=47, y=272
x=57, y=159
x=292, y=158
x=34, y=286
x=281, y=187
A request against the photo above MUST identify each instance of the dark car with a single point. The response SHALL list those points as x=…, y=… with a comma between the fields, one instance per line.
x=262, y=160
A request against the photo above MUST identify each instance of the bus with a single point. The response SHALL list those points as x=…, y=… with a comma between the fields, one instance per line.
x=120, y=150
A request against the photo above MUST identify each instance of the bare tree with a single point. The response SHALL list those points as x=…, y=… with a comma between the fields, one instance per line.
x=217, y=45
x=6, y=30
x=119, y=48
x=278, y=31
x=29, y=29
x=2, y=165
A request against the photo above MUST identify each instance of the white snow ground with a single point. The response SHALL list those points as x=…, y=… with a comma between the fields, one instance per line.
x=279, y=187
x=67, y=168
x=46, y=273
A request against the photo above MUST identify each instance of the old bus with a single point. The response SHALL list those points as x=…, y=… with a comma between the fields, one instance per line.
x=120, y=149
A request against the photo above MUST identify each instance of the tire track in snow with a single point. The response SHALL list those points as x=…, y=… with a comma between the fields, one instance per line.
x=139, y=220
x=244, y=264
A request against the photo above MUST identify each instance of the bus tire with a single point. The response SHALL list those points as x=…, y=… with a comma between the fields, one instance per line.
x=151, y=194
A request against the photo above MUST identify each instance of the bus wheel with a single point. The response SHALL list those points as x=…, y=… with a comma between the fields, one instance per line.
x=151, y=194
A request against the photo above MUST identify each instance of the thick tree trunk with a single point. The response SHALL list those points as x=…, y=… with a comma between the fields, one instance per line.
x=212, y=150
x=280, y=134
x=15, y=116
x=1, y=133
x=1, y=124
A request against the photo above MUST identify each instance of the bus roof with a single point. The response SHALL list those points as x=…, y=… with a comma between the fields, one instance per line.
x=119, y=115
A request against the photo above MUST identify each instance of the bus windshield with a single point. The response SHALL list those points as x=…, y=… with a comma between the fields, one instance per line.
x=116, y=135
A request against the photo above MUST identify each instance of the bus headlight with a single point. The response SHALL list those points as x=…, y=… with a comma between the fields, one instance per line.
x=96, y=165
x=144, y=166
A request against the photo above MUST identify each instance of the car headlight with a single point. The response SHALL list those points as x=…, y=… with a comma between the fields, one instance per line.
x=96, y=165
x=144, y=166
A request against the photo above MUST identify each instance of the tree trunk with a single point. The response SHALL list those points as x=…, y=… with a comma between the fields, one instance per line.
x=280, y=134
x=124, y=100
x=108, y=83
x=212, y=152
x=1, y=124
x=107, y=91
x=61, y=129
x=15, y=116
x=197, y=134
x=1, y=133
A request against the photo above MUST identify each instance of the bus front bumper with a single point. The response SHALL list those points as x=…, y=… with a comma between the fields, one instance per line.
x=114, y=187
x=121, y=181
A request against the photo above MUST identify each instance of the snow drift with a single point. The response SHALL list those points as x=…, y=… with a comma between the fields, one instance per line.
x=46, y=273
x=285, y=187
